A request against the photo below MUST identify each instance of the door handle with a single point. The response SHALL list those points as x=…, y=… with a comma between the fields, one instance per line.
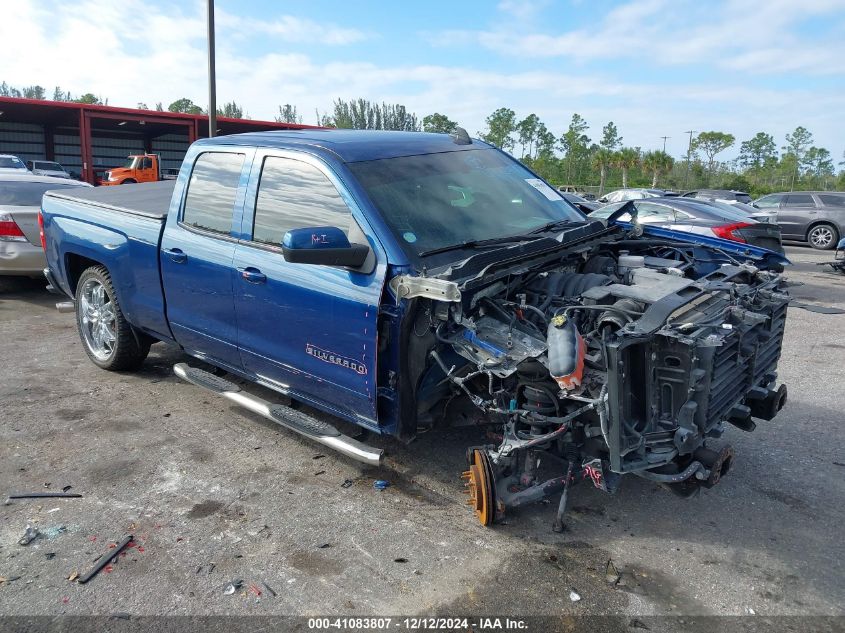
x=252, y=275
x=176, y=254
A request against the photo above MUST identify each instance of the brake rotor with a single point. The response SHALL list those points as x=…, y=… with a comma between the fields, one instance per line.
x=478, y=481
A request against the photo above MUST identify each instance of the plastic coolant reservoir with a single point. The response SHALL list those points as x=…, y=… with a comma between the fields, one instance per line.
x=566, y=353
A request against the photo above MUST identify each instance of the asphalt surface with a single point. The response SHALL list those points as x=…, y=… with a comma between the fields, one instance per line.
x=213, y=494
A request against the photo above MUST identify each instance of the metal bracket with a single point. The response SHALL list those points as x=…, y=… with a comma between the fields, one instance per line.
x=407, y=287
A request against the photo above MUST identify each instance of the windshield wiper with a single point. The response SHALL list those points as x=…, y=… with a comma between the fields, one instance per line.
x=552, y=225
x=493, y=241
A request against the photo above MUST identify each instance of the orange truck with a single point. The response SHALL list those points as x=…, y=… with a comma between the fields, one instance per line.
x=137, y=168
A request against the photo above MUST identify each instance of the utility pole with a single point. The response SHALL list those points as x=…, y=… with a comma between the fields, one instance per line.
x=212, y=80
x=664, y=142
x=689, y=156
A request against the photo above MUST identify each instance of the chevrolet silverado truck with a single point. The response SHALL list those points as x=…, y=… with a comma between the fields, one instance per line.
x=407, y=281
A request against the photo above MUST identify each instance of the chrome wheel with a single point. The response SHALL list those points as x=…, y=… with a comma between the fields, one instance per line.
x=821, y=237
x=97, y=319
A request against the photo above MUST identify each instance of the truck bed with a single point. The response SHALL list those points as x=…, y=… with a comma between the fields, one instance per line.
x=148, y=199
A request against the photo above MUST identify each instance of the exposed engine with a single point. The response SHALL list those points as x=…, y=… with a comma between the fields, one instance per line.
x=628, y=358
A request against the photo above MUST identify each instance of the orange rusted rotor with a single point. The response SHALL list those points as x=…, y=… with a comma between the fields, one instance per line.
x=478, y=481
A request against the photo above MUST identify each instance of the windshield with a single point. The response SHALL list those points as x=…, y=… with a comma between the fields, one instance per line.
x=436, y=200
x=130, y=162
x=11, y=162
x=27, y=194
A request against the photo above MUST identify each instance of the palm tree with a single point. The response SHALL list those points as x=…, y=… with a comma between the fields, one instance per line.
x=602, y=159
x=626, y=158
x=657, y=163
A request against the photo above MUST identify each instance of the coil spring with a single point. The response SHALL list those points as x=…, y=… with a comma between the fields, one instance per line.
x=535, y=391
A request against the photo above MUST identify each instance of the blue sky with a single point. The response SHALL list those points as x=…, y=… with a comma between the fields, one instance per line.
x=655, y=67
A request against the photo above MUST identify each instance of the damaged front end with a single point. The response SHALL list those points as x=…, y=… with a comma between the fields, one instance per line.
x=615, y=354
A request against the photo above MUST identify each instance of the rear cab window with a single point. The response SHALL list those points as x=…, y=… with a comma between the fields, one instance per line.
x=212, y=190
x=295, y=194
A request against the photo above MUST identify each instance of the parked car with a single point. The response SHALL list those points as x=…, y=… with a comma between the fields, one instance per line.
x=586, y=195
x=703, y=217
x=585, y=206
x=620, y=195
x=401, y=281
x=12, y=164
x=47, y=168
x=723, y=195
x=20, y=200
x=817, y=217
x=761, y=215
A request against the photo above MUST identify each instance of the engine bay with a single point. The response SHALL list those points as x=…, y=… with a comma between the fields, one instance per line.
x=628, y=356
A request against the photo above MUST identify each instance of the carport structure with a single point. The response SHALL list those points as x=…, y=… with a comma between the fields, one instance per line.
x=89, y=139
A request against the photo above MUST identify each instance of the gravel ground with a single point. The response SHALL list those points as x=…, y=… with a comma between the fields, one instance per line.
x=214, y=494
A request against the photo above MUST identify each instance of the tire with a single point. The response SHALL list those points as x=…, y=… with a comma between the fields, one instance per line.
x=105, y=333
x=823, y=236
x=128, y=181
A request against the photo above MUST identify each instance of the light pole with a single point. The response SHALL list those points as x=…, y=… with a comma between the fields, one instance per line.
x=664, y=142
x=689, y=156
x=212, y=81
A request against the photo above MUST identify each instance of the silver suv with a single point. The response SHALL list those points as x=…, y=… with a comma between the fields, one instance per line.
x=817, y=217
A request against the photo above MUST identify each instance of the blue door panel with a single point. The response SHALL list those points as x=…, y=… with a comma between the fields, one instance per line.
x=310, y=329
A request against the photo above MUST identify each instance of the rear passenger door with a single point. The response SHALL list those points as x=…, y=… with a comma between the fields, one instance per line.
x=197, y=251
x=304, y=329
x=795, y=215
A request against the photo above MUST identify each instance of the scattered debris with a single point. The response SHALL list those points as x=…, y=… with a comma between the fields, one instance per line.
x=574, y=596
x=611, y=574
x=45, y=495
x=381, y=484
x=50, y=555
x=269, y=589
x=809, y=307
x=73, y=576
x=347, y=483
x=66, y=488
x=400, y=560
x=638, y=624
x=254, y=589
x=320, y=472
x=28, y=536
x=53, y=510
x=11, y=579
x=107, y=558
x=320, y=456
x=324, y=546
x=54, y=530
x=232, y=587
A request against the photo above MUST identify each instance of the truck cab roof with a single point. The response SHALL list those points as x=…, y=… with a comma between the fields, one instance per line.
x=350, y=145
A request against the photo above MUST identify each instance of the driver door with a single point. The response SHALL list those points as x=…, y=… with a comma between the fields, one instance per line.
x=305, y=329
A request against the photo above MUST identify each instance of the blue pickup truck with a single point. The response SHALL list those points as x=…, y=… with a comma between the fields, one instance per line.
x=406, y=281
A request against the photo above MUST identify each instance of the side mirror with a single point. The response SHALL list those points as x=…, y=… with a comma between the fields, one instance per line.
x=322, y=245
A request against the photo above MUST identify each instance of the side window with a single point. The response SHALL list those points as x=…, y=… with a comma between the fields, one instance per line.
x=212, y=190
x=800, y=200
x=291, y=195
x=832, y=200
x=147, y=163
x=769, y=201
x=654, y=212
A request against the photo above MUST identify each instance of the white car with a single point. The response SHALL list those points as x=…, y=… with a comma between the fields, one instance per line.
x=47, y=168
x=10, y=164
x=621, y=195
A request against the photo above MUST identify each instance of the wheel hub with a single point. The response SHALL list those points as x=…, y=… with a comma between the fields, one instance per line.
x=478, y=481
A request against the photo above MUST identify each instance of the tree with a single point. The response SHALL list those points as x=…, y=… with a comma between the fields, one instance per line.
x=755, y=152
x=610, y=138
x=625, y=159
x=159, y=107
x=92, y=99
x=184, y=105
x=796, y=146
x=527, y=132
x=657, y=162
x=34, y=92
x=231, y=110
x=574, y=143
x=439, y=123
x=288, y=114
x=141, y=106
x=602, y=159
x=60, y=95
x=819, y=163
x=711, y=143
x=545, y=144
x=500, y=126
x=362, y=114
